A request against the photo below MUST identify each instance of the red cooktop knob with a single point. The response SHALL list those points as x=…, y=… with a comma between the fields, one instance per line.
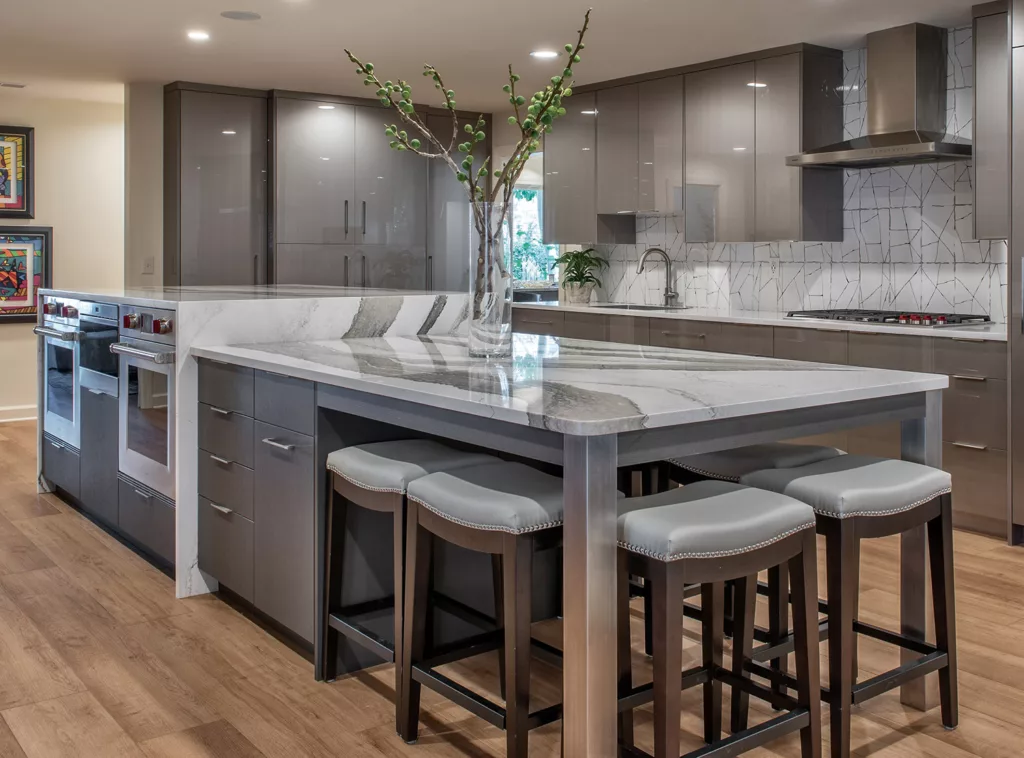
x=69, y=311
x=162, y=326
x=130, y=321
x=50, y=309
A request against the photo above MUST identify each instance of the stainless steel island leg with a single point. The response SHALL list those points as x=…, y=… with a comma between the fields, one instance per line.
x=921, y=442
x=589, y=565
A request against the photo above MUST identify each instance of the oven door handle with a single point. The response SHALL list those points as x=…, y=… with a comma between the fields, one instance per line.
x=120, y=348
x=58, y=334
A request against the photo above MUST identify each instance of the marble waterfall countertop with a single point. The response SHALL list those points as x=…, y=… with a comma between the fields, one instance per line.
x=573, y=386
x=990, y=332
x=170, y=297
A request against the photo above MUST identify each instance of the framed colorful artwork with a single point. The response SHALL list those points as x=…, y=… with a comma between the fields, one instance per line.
x=25, y=258
x=16, y=172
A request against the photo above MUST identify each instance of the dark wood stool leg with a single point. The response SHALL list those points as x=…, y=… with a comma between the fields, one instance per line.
x=625, y=649
x=712, y=642
x=664, y=480
x=745, y=594
x=840, y=543
x=856, y=611
x=940, y=545
x=803, y=569
x=417, y=590
x=668, y=655
x=517, y=565
x=648, y=618
x=333, y=560
x=778, y=616
x=499, y=615
x=399, y=568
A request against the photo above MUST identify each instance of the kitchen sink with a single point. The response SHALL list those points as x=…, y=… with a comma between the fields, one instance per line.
x=629, y=307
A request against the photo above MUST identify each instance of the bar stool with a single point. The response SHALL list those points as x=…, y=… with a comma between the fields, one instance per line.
x=856, y=498
x=504, y=509
x=375, y=476
x=708, y=533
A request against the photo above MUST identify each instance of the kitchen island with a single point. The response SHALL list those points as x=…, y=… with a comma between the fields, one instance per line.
x=591, y=407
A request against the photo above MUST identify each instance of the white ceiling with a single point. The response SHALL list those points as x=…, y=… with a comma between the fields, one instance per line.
x=85, y=47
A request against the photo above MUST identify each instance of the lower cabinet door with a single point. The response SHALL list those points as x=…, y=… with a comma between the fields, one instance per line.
x=61, y=466
x=980, y=501
x=99, y=456
x=283, y=510
x=226, y=547
x=146, y=519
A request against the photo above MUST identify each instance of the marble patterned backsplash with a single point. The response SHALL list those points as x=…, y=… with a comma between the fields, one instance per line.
x=907, y=245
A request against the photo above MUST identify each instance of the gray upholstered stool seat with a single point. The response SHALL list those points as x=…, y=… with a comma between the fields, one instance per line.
x=501, y=497
x=731, y=465
x=856, y=485
x=708, y=519
x=390, y=466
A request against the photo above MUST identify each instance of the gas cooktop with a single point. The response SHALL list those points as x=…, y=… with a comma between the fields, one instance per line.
x=893, y=318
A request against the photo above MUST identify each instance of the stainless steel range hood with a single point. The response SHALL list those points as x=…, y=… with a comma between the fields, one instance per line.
x=906, y=83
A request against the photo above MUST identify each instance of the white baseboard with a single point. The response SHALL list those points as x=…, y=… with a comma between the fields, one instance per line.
x=17, y=413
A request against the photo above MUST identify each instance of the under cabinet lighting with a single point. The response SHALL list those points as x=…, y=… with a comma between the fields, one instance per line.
x=739, y=149
x=757, y=85
x=544, y=54
x=326, y=107
x=198, y=36
x=589, y=113
x=324, y=159
x=228, y=132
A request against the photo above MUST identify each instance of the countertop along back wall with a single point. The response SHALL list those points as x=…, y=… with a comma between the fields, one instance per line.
x=79, y=191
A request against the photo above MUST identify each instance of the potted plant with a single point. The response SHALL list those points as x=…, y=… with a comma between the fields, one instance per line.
x=578, y=279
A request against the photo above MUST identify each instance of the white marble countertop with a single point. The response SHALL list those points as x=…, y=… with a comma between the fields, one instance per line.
x=991, y=332
x=574, y=386
x=169, y=297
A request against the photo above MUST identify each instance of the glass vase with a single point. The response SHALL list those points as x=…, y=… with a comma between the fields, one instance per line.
x=490, y=284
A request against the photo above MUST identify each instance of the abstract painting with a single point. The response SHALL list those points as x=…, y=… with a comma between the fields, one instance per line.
x=25, y=258
x=16, y=172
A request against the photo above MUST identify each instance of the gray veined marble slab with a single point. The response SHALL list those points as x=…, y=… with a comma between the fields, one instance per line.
x=574, y=386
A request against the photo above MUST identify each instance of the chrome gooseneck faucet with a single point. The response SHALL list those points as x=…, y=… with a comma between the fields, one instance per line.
x=671, y=296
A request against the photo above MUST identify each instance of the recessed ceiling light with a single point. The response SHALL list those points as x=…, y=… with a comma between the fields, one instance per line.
x=326, y=107
x=544, y=54
x=758, y=85
x=241, y=15
x=739, y=149
x=324, y=159
x=585, y=149
x=198, y=36
x=229, y=131
x=589, y=113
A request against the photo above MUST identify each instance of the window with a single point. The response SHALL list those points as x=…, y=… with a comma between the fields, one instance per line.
x=531, y=258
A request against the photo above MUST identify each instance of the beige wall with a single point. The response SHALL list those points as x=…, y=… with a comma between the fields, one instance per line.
x=144, y=192
x=79, y=191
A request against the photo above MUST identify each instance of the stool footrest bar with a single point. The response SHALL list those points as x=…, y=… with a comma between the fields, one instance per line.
x=899, y=676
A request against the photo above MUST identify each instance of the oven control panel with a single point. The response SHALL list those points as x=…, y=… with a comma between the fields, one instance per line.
x=61, y=310
x=153, y=324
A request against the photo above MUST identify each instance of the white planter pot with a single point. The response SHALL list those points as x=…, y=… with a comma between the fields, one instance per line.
x=578, y=294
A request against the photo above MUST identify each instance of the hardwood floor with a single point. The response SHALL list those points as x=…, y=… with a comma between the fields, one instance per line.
x=97, y=658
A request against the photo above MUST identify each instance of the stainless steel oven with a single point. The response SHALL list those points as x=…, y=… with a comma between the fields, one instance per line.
x=61, y=336
x=97, y=324
x=146, y=391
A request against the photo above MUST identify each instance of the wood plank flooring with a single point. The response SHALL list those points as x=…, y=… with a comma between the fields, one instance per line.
x=97, y=658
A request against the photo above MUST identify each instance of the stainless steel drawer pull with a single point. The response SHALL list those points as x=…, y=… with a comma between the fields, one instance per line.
x=220, y=411
x=278, y=445
x=970, y=446
x=143, y=495
x=221, y=461
x=537, y=323
x=220, y=508
x=970, y=378
x=55, y=445
x=666, y=333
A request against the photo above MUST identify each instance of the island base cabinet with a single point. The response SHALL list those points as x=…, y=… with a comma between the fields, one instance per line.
x=146, y=519
x=226, y=547
x=99, y=456
x=283, y=510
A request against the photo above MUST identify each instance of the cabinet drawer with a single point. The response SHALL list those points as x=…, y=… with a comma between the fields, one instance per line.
x=979, y=488
x=61, y=466
x=974, y=411
x=227, y=387
x=147, y=519
x=226, y=548
x=690, y=335
x=893, y=351
x=816, y=345
x=604, y=327
x=285, y=401
x=226, y=434
x=970, y=358
x=745, y=339
x=284, y=511
x=537, y=321
x=226, y=483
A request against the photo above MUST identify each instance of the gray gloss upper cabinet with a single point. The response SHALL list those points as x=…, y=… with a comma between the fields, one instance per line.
x=719, y=143
x=991, y=136
x=777, y=135
x=215, y=197
x=391, y=186
x=314, y=172
x=660, y=143
x=570, y=169
x=618, y=149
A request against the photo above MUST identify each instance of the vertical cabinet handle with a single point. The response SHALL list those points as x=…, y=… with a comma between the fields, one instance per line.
x=345, y=273
x=364, y=218
x=430, y=272
x=346, y=218
x=365, y=283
